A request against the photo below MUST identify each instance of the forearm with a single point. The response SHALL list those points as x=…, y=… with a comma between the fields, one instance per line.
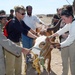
x=33, y=31
x=55, y=34
x=31, y=35
x=11, y=47
x=42, y=23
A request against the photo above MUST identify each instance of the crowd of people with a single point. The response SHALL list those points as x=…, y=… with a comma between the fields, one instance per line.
x=22, y=28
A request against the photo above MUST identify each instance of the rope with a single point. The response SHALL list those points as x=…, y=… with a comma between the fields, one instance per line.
x=68, y=2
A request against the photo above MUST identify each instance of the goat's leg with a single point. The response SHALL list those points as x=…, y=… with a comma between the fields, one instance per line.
x=49, y=67
x=48, y=62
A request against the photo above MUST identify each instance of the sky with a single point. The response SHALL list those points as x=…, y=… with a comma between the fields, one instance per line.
x=39, y=6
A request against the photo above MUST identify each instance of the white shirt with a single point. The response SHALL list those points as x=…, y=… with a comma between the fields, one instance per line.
x=71, y=37
x=31, y=21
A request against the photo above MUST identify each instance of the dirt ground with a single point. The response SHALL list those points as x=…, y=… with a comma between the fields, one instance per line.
x=56, y=62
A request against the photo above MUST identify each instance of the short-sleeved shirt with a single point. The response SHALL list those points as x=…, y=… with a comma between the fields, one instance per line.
x=31, y=21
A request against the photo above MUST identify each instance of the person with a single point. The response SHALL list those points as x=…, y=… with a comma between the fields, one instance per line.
x=60, y=24
x=56, y=21
x=30, y=21
x=65, y=35
x=15, y=27
x=3, y=21
x=68, y=46
x=2, y=13
x=10, y=47
x=56, y=17
x=11, y=16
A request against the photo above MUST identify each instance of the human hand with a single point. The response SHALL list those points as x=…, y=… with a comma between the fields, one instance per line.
x=35, y=37
x=37, y=34
x=43, y=32
x=57, y=45
x=64, y=35
x=48, y=39
x=51, y=46
x=26, y=51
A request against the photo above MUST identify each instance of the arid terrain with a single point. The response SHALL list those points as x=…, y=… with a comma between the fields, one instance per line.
x=56, y=62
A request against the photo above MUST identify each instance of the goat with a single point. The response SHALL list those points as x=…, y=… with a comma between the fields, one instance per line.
x=44, y=51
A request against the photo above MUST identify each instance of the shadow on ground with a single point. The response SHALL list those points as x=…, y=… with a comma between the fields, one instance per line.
x=31, y=71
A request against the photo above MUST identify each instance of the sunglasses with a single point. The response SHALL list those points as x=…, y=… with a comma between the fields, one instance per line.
x=22, y=13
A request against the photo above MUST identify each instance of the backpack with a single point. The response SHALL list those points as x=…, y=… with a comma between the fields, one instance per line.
x=5, y=28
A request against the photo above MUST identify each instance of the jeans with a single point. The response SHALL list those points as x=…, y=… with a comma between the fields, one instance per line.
x=27, y=42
